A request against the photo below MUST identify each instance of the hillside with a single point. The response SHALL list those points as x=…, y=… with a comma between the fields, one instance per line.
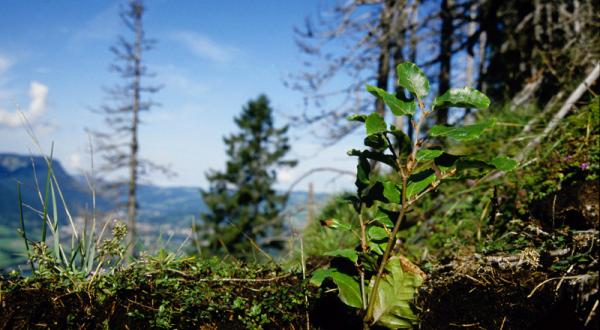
x=164, y=212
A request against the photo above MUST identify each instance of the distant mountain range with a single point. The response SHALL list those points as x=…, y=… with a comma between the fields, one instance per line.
x=161, y=209
x=156, y=204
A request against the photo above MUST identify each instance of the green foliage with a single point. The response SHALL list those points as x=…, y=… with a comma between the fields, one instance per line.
x=85, y=253
x=465, y=97
x=396, y=292
x=243, y=206
x=463, y=133
x=471, y=217
x=571, y=153
x=161, y=291
x=319, y=238
x=411, y=77
x=381, y=203
x=348, y=286
x=397, y=106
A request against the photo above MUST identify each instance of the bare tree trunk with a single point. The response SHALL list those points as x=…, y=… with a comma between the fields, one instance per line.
x=134, y=147
x=383, y=63
x=470, y=32
x=575, y=95
x=445, y=56
x=399, y=24
x=481, y=70
x=413, y=43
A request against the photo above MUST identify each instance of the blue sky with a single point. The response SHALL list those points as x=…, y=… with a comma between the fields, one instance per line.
x=212, y=57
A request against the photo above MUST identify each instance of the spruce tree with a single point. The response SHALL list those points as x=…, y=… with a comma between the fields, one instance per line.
x=242, y=205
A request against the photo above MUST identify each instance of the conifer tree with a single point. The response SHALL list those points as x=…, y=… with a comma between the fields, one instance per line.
x=243, y=206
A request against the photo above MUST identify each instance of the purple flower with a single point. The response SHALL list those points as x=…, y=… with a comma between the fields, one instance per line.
x=584, y=166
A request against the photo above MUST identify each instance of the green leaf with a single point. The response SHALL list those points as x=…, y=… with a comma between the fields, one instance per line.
x=386, y=217
x=336, y=224
x=378, y=248
x=465, y=97
x=391, y=192
x=319, y=275
x=350, y=254
x=375, y=155
x=397, y=106
x=413, y=79
x=363, y=170
x=357, y=117
x=378, y=142
x=428, y=154
x=375, y=124
x=445, y=161
x=463, y=133
x=348, y=286
x=418, y=182
x=504, y=163
x=373, y=193
x=469, y=163
x=393, y=299
x=402, y=141
x=377, y=233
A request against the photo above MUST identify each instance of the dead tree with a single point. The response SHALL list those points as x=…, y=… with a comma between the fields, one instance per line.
x=371, y=35
x=119, y=144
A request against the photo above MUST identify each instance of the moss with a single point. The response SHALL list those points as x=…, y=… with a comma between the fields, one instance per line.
x=160, y=292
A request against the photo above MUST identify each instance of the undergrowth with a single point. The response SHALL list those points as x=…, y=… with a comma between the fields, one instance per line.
x=159, y=291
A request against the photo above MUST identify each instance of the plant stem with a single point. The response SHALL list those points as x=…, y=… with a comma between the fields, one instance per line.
x=363, y=245
x=405, y=173
x=386, y=254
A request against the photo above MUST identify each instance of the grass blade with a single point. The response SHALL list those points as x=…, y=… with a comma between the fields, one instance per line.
x=48, y=181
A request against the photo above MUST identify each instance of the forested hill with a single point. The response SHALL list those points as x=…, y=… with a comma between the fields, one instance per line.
x=21, y=169
x=157, y=204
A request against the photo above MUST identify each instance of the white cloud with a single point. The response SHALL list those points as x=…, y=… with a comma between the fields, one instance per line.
x=285, y=176
x=178, y=81
x=5, y=63
x=203, y=46
x=38, y=94
x=74, y=162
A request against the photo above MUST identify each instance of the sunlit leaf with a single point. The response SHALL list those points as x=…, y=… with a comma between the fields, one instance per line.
x=462, y=133
x=428, y=154
x=375, y=124
x=413, y=79
x=465, y=97
x=350, y=254
x=377, y=233
x=335, y=224
x=396, y=292
x=386, y=217
x=391, y=192
x=397, y=106
x=418, y=182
